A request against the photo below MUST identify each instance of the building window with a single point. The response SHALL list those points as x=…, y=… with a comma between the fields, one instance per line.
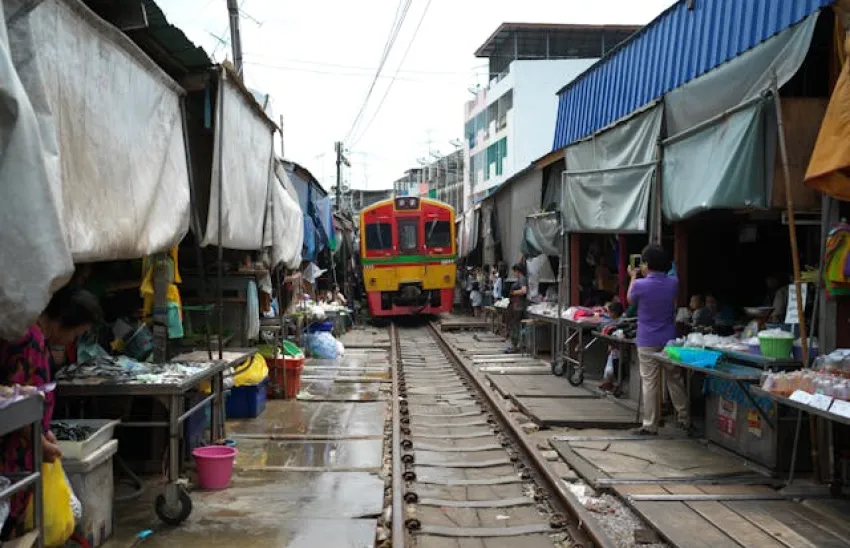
x=505, y=104
x=408, y=237
x=470, y=133
x=438, y=234
x=379, y=237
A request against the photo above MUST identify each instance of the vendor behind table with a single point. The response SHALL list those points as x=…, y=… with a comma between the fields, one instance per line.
x=70, y=313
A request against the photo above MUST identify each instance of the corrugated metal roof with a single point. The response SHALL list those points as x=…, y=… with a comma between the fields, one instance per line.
x=679, y=45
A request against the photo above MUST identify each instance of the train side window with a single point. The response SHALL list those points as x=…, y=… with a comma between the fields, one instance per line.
x=438, y=234
x=379, y=237
x=408, y=237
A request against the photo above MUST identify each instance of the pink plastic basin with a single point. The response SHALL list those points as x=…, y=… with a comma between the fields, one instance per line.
x=215, y=465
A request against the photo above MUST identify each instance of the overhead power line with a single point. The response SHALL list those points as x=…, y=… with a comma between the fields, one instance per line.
x=401, y=13
x=395, y=76
x=265, y=57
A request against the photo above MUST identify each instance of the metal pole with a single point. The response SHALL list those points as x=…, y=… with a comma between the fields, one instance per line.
x=196, y=226
x=220, y=167
x=792, y=225
x=235, y=37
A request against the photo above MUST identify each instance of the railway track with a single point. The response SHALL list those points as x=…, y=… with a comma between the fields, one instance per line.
x=463, y=474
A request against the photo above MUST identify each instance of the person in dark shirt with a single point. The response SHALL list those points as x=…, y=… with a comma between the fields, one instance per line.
x=519, y=301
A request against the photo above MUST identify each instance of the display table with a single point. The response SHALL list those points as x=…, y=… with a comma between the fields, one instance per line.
x=738, y=418
x=741, y=375
x=823, y=407
x=175, y=505
x=27, y=412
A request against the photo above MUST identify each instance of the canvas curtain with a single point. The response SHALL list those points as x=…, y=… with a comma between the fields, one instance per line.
x=609, y=177
x=112, y=129
x=35, y=256
x=284, y=231
x=829, y=167
x=242, y=169
x=724, y=165
x=741, y=79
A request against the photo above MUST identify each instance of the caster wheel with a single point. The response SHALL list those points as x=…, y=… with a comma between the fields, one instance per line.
x=177, y=515
x=577, y=378
x=558, y=368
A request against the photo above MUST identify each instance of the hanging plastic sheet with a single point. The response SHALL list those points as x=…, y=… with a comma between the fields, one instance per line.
x=468, y=233
x=121, y=156
x=607, y=185
x=720, y=165
x=324, y=211
x=243, y=151
x=35, y=256
x=741, y=79
x=284, y=231
x=540, y=235
x=516, y=200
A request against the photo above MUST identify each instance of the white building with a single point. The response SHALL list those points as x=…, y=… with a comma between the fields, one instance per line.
x=511, y=122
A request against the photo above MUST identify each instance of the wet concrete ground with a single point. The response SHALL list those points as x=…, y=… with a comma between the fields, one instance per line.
x=307, y=474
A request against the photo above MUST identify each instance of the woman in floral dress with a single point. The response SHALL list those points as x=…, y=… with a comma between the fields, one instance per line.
x=70, y=313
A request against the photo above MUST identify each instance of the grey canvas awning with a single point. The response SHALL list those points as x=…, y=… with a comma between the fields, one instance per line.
x=607, y=184
x=725, y=163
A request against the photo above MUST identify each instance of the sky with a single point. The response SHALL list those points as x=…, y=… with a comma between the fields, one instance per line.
x=317, y=59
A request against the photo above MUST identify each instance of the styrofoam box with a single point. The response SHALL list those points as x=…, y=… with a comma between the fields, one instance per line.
x=80, y=450
x=93, y=484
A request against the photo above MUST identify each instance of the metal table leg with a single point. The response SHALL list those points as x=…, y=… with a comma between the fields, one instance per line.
x=795, y=447
x=38, y=493
x=175, y=505
x=216, y=428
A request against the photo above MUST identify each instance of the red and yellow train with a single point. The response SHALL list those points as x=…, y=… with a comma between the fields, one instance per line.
x=408, y=251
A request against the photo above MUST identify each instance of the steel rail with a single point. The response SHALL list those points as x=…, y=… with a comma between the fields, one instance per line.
x=399, y=532
x=585, y=528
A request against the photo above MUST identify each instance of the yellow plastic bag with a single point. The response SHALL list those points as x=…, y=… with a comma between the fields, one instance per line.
x=254, y=371
x=58, y=515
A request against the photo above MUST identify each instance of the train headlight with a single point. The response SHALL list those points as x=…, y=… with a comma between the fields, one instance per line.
x=446, y=278
x=372, y=281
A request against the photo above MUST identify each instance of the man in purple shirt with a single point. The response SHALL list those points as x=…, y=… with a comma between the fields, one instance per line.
x=655, y=296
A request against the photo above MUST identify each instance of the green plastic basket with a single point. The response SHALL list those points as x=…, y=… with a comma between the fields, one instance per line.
x=776, y=347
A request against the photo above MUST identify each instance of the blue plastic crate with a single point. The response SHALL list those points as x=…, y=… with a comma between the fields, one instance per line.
x=246, y=402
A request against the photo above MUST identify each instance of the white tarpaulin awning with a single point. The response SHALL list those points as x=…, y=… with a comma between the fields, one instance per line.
x=607, y=185
x=284, y=231
x=241, y=172
x=35, y=256
x=116, y=117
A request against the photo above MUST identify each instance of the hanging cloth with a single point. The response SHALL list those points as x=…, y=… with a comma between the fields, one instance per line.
x=174, y=319
x=829, y=167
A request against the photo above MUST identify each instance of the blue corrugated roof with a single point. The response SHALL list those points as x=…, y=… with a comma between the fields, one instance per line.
x=677, y=46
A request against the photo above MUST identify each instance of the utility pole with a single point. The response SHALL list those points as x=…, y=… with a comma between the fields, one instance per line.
x=235, y=37
x=341, y=159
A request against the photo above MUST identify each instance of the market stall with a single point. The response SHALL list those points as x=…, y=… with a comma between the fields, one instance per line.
x=18, y=412
x=735, y=417
x=168, y=383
